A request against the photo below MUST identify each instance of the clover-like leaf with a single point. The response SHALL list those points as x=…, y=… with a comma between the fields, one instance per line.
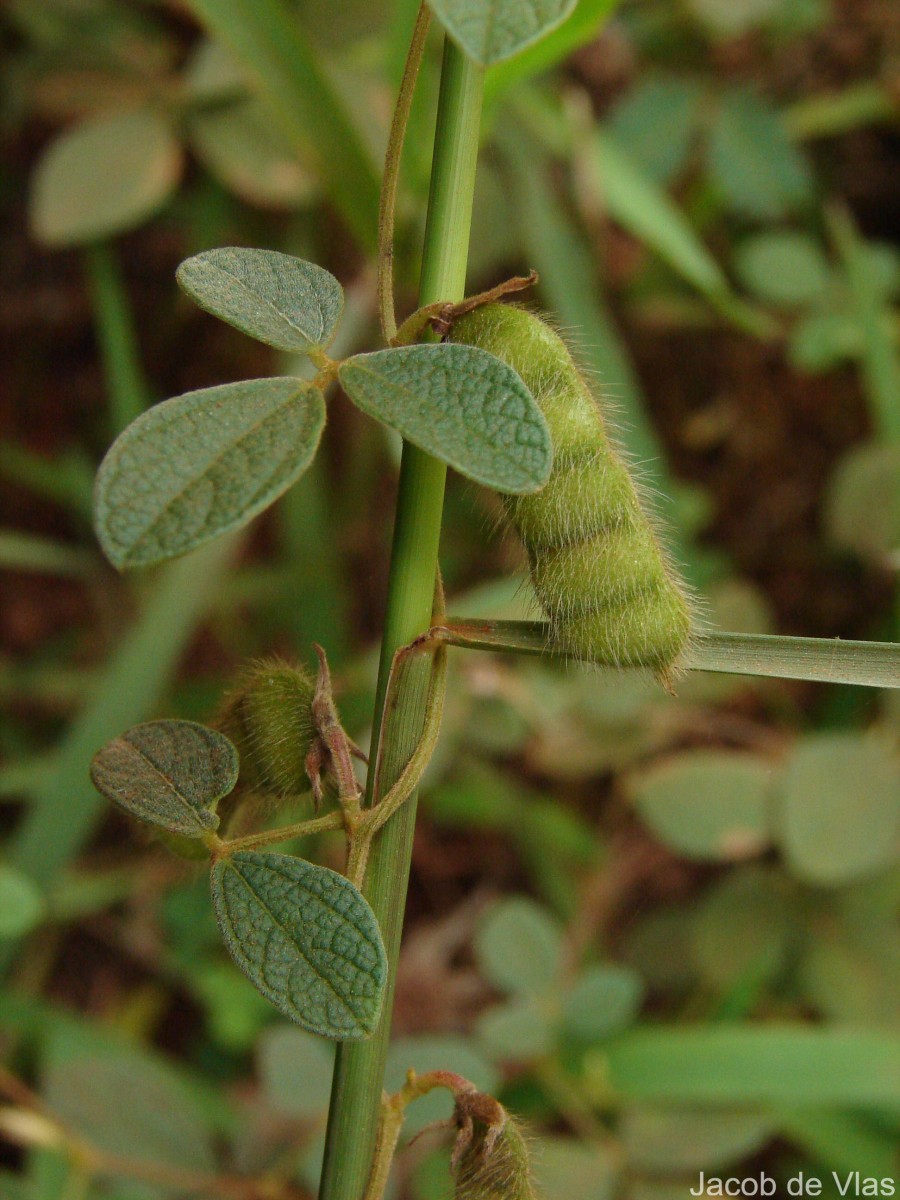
x=306, y=938
x=170, y=773
x=278, y=299
x=461, y=404
x=862, y=512
x=204, y=463
x=231, y=130
x=604, y=1000
x=520, y=1031
x=128, y=1103
x=491, y=30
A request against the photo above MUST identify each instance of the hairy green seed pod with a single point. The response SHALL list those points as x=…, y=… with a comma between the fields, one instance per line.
x=268, y=715
x=599, y=571
x=495, y=1166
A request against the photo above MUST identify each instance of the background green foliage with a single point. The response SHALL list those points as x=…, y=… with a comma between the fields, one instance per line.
x=664, y=931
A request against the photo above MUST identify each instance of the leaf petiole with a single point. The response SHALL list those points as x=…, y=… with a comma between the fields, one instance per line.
x=440, y=316
x=224, y=848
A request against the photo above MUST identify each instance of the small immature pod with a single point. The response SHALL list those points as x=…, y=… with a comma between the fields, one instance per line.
x=268, y=715
x=597, y=566
x=495, y=1167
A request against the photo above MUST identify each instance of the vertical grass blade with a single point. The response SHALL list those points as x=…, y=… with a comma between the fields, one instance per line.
x=127, y=391
x=265, y=36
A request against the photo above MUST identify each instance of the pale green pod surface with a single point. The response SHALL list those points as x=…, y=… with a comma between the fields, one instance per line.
x=268, y=716
x=620, y=567
x=591, y=491
x=597, y=566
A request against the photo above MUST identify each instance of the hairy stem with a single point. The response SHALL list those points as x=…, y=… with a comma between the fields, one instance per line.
x=393, y=1114
x=359, y=1069
x=391, y=177
x=285, y=833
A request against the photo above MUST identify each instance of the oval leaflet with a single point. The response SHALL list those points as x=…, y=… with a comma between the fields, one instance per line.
x=461, y=404
x=169, y=773
x=306, y=938
x=492, y=30
x=104, y=175
x=281, y=300
x=195, y=467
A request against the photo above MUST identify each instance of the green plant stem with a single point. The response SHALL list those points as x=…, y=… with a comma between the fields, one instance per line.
x=128, y=392
x=374, y=819
x=829, y=114
x=359, y=1068
x=29, y=552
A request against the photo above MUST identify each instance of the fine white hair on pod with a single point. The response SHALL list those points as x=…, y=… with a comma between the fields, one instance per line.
x=607, y=585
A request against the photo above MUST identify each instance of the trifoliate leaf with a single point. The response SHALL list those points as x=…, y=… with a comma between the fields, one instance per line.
x=170, y=773
x=491, y=30
x=278, y=299
x=306, y=938
x=461, y=404
x=202, y=464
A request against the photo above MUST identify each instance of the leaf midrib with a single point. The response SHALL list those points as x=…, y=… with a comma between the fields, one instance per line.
x=284, y=875
x=258, y=296
x=211, y=462
x=192, y=811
